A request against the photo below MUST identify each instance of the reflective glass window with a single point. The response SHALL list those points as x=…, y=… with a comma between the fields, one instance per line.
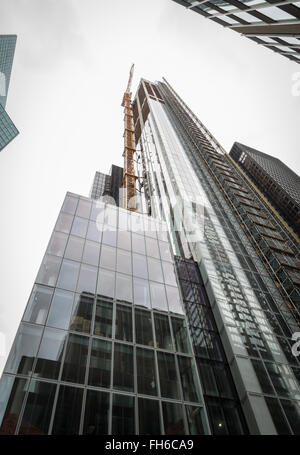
x=123, y=323
x=165, y=252
x=75, y=359
x=93, y=232
x=87, y=279
x=38, y=305
x=138, y=243
x=60, y=310
x=162, y=332
x=82, y=313
x=123, y=367
x=109, y=236
x=158, y=296
x=146, y=376
x=106, y=283
x=79, y=226
x=196, y=420
x=277, y=415
x=97, y=213
x=141, y=292
x=149, y=416
x=50, y=354
x=110, y=216
x=168, y=376
x=292, y=412
x=124, y=240
x=139, y=266
x=83, y=208
x=123, y=415
x=100, y=363
x=152, y=247
x=143, y=327
x=57, y=244
x=189, y=380
x=74, y=248
x=108, y=257
x=64, y=222
x=154, y=269
x=233, y=417
x=262, y=376
x=12, y=393
x=103, y=318
x=91, y=253
x=49, y=270
x=169, y=273
x=123, y=288
x=70, y=204
x=173, y=418
x=24, y=349
x=181, y=335
x=96, y=413
x=38, y=409
x=174, y=301
x=217, y=419
x=124, y=262
x=68, y=275
x=68, y=411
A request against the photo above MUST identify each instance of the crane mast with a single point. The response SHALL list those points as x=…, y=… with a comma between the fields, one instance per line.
x=129, y=177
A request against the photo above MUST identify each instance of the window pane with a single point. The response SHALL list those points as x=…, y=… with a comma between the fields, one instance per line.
x=141, y=292
x=138, y=243
x=91, y=253
x=83, y=208
x=79, y=226
x=110, y=217
x=123, y=323
x=123, y=367
x=108, y=257
x=146, y=377
x=163, y=332
x=100, y=365
x=173, y=418
x=292, y=412
x=124, y=288
x=38, y=305
x=74, y=248
x=57, y=244
x=262, y=376
x=64, y=222
x=106, y=283
x=24, y=349
x=196, y=420
x=103, y=319
x=143, y=327
x=82, y=313
x=154, y=269
x=68, y=411
x=277, y=416
x=189, y=380
x=12, y=393
x=139, y=266
x=124, y=262
x=149, y=417
x=123, y=415
x=181, y=335
x=68, y=275
x=158, y=296
x=49, y=270
x=87, y=279
x=165, y=252
x=94, y=233
x=109, y=236
x=169, y=381
x=169, y=273
x=152, y=247
x=38, y=409
x=75, y=359
x=60, y=311
x=124, y=240
x=217, y=420
x=50, y=354
x=233, y=419
x=70, y=204
x=96, y=413
x=174, y=300
x=97, y=213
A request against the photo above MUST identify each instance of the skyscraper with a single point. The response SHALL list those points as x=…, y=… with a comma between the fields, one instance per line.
x=108, y=185
x=175, y=320
x=273, y=24
x=277, y=181
x=8, y=131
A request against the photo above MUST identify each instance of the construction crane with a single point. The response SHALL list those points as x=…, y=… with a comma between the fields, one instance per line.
x=129, y=177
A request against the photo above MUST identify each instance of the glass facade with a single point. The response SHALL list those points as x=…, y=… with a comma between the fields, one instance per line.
x=96, y=351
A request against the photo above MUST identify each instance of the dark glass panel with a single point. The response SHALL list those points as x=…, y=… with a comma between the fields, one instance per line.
x=146, y=377
x=123, y=323
x=277, y=416
x=103, y=318
x=149, y=417
x=75, y=359
x=12, y=393
x=123, y=367
x=96, y=413
x=169, y=381
x=100, y=363
x=233, y=417
x=181, y=335
x=292, y=412
x=163, y=332
x=217, y=419
x=50, y=354
x=38, y=409
x=189, y=380
x=143, y=327
x=207, y=376
x=173, y=418
x=38, y=305
x=262, y=376
x=123, y=415
x=68, y=411
x=196, y=420
x=82, y=313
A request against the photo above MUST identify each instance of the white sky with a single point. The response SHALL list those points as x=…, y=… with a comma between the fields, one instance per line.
x=69, y=74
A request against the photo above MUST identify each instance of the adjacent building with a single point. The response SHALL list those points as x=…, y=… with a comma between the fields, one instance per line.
x=8, y=131
x=273, y=24
x=108, y=185
x=277, y=181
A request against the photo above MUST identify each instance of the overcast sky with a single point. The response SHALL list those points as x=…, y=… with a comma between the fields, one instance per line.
x=70, y=71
